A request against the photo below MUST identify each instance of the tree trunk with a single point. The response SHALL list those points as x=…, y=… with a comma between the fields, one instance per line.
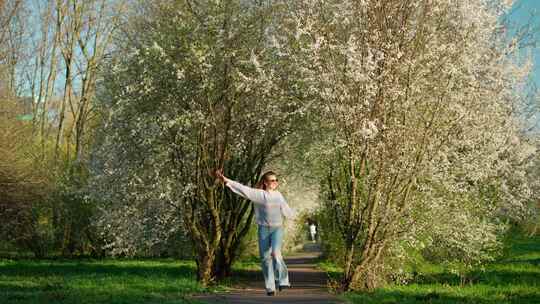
x=223, y=265
x=349, y=268
x=236, y=232
x=205, y=267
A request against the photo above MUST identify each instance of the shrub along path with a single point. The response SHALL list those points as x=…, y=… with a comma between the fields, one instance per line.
x=308, y=284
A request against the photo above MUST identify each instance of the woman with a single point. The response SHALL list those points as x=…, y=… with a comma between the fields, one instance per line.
x=270, y=207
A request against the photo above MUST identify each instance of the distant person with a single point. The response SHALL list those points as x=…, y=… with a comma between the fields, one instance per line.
x=313, y=232
x=270, y=207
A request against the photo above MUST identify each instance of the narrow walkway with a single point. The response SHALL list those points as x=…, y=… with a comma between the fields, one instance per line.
x=309, y=285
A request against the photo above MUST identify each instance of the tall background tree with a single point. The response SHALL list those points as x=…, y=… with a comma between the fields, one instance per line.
x=23, y=179
x=49, y=61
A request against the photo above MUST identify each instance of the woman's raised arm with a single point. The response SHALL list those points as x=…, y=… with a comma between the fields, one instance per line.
x=252, y=194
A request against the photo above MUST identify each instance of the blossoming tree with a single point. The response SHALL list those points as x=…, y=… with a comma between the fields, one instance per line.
x=195, y=87
x=420, y=100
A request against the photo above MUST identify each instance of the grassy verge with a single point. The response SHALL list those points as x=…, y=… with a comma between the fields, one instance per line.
x=515, y=278
x=92, y=281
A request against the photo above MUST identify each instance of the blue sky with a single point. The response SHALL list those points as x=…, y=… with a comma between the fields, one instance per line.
x=520, y=15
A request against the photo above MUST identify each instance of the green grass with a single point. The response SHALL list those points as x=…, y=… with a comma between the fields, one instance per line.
x=515, y=278
x=94, y=281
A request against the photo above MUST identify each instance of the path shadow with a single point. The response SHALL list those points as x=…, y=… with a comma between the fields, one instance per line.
x=301, y=260
x=302, y=272
x=312, y=247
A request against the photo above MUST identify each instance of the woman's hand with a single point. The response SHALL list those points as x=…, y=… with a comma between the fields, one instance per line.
x=219, y=175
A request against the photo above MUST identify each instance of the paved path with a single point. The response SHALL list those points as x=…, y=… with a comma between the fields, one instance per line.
x=309, y=285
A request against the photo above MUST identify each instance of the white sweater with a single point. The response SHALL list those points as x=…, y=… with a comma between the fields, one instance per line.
x=270, y=206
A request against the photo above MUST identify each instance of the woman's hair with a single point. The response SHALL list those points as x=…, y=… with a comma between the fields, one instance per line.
x=260, y=184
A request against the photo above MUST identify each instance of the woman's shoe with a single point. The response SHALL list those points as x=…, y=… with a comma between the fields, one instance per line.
x=270, y=293
x=281, y=287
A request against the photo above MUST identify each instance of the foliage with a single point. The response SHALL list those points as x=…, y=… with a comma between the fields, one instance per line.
x=531, y=222
x=24, y=183
x=73, y=213
x=44, y=212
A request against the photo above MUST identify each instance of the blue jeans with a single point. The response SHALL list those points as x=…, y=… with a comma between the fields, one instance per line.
x=273, y=266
